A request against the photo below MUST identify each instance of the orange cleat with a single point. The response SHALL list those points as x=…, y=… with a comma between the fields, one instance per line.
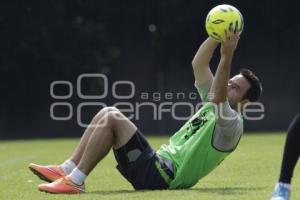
x=62, y=186
x=47, y=173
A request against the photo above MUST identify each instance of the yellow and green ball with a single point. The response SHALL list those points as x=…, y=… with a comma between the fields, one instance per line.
x=221, y=18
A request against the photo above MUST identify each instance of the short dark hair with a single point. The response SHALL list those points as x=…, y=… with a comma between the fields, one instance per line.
x=255, y=90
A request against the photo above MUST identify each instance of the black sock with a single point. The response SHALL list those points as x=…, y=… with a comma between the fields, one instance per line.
x=291, y=151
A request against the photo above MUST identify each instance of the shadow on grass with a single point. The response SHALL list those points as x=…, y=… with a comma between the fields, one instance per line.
x=112, y=192
x=218, y=190
x=227, y=190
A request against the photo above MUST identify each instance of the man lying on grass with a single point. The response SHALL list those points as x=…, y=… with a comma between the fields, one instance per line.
x=195, y=150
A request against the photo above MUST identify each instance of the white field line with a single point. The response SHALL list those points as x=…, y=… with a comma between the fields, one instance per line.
x=15, y=160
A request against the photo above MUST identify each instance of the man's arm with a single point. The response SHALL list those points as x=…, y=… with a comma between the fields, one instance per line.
x=220, y=83
x=201, y=61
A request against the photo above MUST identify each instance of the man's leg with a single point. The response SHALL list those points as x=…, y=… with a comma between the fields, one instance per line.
x=112, y=130
x=53, y=172
x=77, y=154
x=290, y=158
x=291, y=151
x=73, y=161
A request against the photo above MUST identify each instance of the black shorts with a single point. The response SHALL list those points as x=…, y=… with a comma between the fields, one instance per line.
x=137, y=162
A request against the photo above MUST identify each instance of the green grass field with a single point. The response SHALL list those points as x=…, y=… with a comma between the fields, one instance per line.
x=249, y=173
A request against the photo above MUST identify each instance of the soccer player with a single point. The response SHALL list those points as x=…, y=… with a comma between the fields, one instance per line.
x=289, y=161
x=200, y=145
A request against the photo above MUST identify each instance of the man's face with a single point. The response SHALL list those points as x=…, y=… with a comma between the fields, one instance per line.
x=237, y=88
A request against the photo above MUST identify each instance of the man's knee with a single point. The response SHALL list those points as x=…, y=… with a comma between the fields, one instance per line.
x=296, y=122
x=298, y=118
x=111, y=117
x=114, y=116
x=104, y=111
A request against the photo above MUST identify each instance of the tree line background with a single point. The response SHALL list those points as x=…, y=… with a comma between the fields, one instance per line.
x=149, y=42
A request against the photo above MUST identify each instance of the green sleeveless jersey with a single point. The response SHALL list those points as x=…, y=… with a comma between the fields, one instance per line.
x=191, y=149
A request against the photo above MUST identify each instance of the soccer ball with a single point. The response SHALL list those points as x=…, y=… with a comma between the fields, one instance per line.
x=221, y=18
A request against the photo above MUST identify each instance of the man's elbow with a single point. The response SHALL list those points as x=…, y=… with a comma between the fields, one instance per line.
x=194, y=63
x=217, y=100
